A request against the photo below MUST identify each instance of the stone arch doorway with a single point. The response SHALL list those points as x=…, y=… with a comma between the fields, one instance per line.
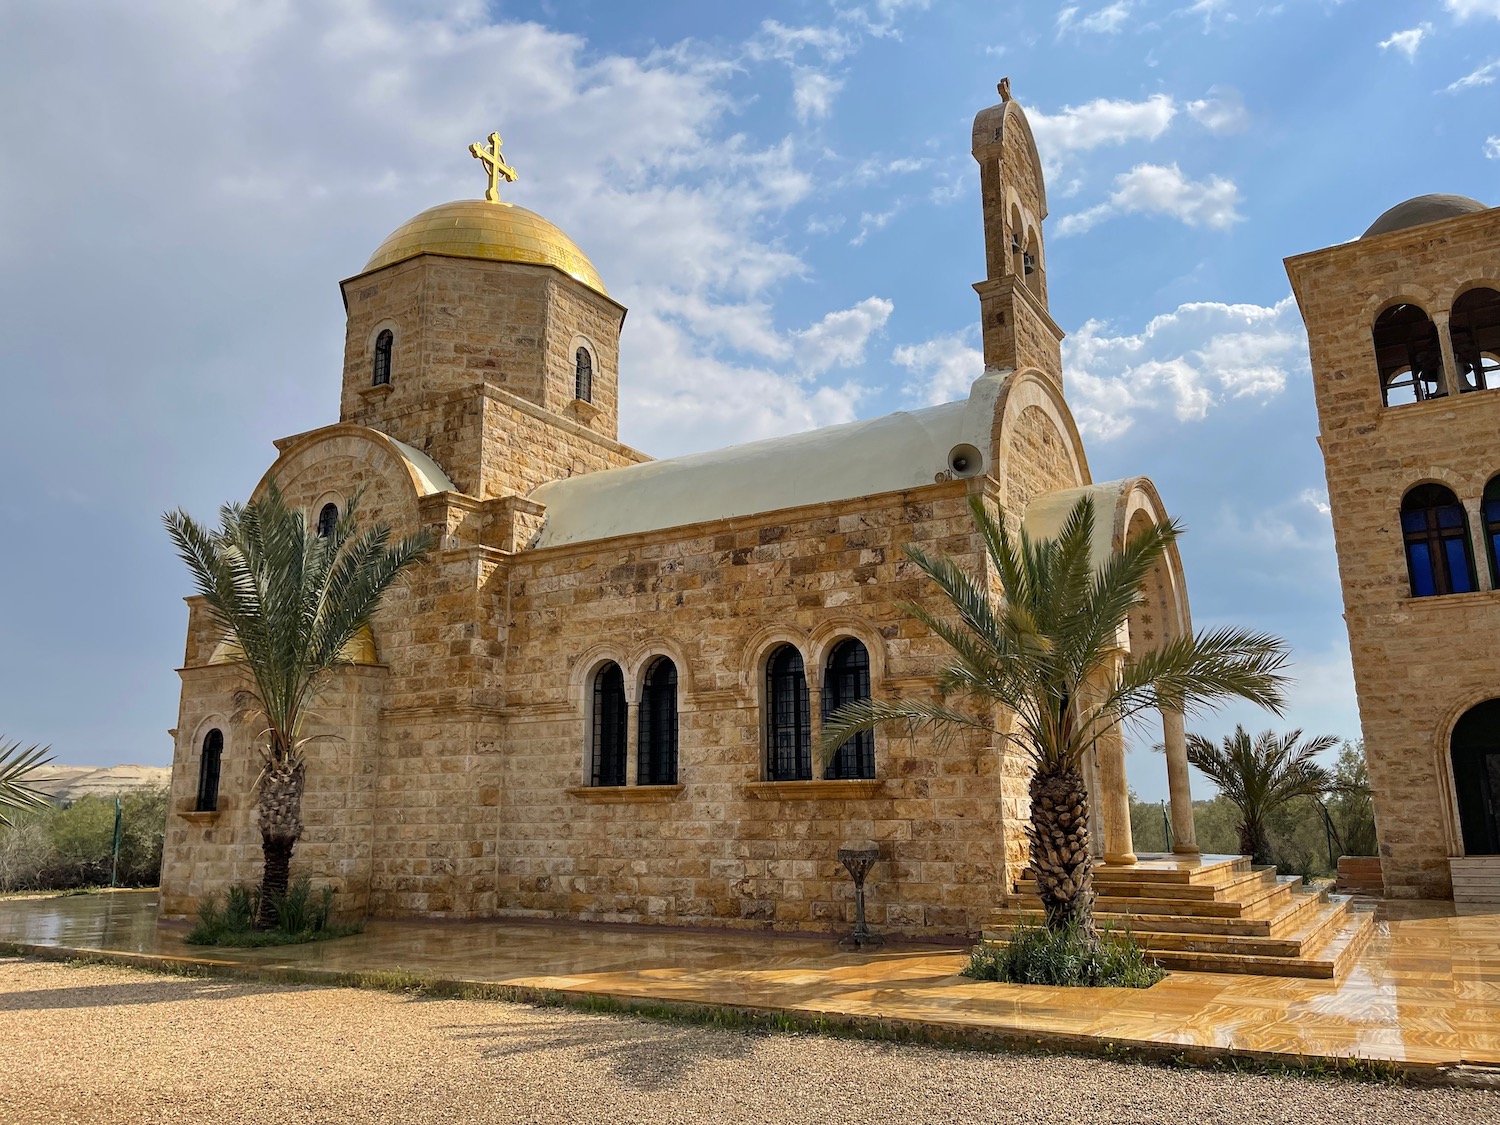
x=1475, y=753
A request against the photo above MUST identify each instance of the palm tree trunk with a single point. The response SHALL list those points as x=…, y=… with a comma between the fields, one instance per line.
x=1253, y=841
x=280, y=810
x=1060, y=858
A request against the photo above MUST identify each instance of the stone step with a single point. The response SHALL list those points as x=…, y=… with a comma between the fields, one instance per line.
x=1130, y=916
x=1326, y=938
x=1205, y=870
x=1246, y=887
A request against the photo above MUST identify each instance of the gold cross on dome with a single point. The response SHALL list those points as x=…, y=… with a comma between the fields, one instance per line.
x=494, y=165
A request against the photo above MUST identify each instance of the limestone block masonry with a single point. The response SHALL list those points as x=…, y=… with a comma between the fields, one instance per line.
x=459, y=780
x=1419, y=662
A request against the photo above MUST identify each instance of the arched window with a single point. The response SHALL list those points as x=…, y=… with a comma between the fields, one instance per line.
x=208, y=771
x=1436, y=531
x=1475, y=748
x=1491, y=512
x=328, y=519
x=1408, y=356
x=1475, y=328
x=848, y=681
x=788, y=718
x=583, y=375
x=658, y=725
x=384, y=344
x=608, y=737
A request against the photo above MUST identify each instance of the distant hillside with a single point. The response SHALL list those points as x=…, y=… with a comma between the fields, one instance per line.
x=68, y=783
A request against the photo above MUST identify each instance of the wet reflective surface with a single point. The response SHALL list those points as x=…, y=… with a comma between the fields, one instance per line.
x=1425, y=990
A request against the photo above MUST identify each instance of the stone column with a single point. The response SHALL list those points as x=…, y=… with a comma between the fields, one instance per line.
x=1174, y=737
x=1114, y=796
x=632, y=742
x=1479, y=538
x=1451, y=383
x=1096, y=806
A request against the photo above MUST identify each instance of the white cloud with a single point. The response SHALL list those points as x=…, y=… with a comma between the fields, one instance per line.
x=1407, y=41
x=873, y=221
x=1192, y=360
x=1483, y=76
x=1108, y=20
x=1221, y=111
x=1492, y=147
x=1100, y=122
x=813, y=93
x=1469, y=9
x=945, y=367
x=1157, y=189
x=839, y=339
x=1317, y=500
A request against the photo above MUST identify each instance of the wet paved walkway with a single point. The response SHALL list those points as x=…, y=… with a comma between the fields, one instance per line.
x=1424, y=993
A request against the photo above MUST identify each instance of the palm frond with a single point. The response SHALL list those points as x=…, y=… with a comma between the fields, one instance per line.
x=17, y=789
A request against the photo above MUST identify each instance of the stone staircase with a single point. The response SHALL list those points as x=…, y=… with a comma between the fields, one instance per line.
x=1216, y=914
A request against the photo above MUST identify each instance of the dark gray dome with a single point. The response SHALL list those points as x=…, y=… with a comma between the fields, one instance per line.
x=1423, y=209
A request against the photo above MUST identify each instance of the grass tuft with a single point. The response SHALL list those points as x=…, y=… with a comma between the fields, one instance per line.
x=1036, y=955
x=300, y=918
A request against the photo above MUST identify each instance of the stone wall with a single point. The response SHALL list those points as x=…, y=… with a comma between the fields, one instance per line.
x=1419, y=663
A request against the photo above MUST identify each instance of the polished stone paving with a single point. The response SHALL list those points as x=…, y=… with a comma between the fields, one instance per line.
x=1424, y=992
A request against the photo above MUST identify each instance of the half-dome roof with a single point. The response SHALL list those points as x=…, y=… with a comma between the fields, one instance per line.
x=1423, y=209
x=494, y=232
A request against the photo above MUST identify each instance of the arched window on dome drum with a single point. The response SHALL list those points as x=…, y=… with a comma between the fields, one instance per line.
x=788, y=718
x=658, y=725
x=208, y=771
x=1436, y=532
x=1475, y=328
x=583, y=375
x=1408, y=356
x=385, y=343
x=1490, y=510
x=607, y=755
x=848, y=681
x=328, y=519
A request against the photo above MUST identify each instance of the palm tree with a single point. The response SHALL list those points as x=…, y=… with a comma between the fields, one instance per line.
x=17, y=789
x=289, y=600
x=1259, y=777
x=1044, y=653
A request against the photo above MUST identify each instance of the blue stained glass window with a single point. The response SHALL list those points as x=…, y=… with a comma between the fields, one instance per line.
x=1458, y=566
x=1420, y=563
x=1436, y=533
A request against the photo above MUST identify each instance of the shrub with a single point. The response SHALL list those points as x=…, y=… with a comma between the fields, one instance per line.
x=301, y=917
x=66, y=847
x=1037, y=955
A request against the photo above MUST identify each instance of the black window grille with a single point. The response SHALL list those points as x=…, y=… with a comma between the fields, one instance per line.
x=658, y=725
x=208, y=771
x=1436, y=532
x=583, y=375
x=848, y=681
x=1492, y=529
x=1408, y=356
x=328, y=519
x=788, y=718
x=1475, y=328
x=609, y=727
x=385, y=343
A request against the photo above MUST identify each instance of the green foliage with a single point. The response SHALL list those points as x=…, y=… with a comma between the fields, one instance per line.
x=65, y=847
x=1350, y=807
x=17, y=773
x=1041, y=652
x=300, y=917
x=1036, y=955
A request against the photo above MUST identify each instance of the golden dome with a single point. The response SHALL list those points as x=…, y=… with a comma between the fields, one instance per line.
x=359, y=650
x=494, y=232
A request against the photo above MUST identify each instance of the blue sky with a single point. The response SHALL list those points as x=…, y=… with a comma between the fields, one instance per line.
x=782, y=194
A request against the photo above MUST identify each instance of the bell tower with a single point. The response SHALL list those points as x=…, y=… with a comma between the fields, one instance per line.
x=1018, y=330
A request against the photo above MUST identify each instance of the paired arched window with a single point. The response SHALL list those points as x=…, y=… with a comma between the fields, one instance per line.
x=1475, y=750
x=658, y=725
x=846, y=681
x=385, y=343
x=583, y=375
x=208, y=771
x=788, y=718
x=1475, y=329
x=1408, y=356
x=1436, y=533
x=608, y=736
x=328, y=519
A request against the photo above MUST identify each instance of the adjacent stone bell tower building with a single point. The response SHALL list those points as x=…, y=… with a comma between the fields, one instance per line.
x=1403, y=328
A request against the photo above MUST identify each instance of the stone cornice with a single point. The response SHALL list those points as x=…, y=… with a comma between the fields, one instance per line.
x=821, y=790
x=624, y=794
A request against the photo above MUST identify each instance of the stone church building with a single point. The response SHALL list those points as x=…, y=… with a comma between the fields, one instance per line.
x=1403, y=325
x=602, y=696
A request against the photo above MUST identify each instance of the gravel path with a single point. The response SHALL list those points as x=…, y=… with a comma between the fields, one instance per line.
x=103, y=1045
